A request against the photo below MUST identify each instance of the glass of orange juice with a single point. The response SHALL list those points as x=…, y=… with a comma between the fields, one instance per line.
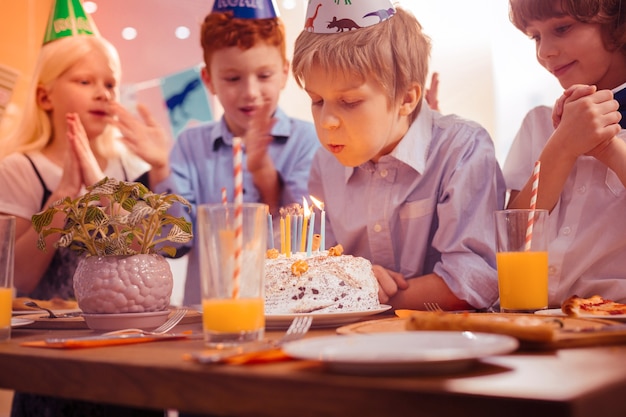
x=232, y=268
x=522, y=259
x=7, y=245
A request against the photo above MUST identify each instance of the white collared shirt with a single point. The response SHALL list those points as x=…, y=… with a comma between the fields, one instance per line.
x=426, y=207
x=587, y=250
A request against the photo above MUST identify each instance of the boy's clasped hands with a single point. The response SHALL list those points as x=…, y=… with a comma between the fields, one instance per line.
x=590, y=118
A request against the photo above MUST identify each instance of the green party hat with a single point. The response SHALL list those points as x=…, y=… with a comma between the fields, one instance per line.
x=68, y=18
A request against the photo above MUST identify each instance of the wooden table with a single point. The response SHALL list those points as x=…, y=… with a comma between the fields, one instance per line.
x=567, y=382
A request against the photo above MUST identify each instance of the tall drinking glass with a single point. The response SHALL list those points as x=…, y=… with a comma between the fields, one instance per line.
x=232, y=272
x=522, y=259
x=7, y=246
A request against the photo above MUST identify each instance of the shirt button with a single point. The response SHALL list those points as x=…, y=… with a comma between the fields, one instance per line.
x=384, y=173
x=566, y=231
x=582, y=189
x=378, y=228
x=551, y=270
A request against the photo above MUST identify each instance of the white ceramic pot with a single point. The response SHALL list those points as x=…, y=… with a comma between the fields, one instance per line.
x=123, y=284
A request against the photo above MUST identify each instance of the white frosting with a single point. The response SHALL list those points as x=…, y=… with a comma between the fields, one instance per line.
x=331, y=284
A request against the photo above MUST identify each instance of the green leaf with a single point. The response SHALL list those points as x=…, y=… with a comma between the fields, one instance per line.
x=114, y=218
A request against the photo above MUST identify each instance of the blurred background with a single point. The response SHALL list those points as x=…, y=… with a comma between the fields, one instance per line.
x=487, y=68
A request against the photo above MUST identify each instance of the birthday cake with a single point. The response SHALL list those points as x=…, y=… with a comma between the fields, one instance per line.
x=326, y=282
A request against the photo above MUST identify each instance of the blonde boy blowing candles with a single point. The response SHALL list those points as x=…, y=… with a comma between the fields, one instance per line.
x=409, y=189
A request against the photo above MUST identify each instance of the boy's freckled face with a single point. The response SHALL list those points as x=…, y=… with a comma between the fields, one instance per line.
x=574, y=52
x=247, y=81
x=353, y=119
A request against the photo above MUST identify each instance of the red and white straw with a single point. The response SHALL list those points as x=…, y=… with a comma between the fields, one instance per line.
x=238, y=220
x=533, y=206
x=224, y=196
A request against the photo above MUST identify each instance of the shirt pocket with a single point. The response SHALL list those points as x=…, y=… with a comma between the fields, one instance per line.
x=413, y=236
x=613, y=182
x=416, y=209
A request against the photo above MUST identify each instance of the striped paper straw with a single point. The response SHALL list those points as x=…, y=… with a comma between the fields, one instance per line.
x=533, y=206
x=238, y=220
x=224, y=197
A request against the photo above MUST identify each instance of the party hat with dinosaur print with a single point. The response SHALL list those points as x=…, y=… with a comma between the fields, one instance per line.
x=333, y=16
x=68, y=18
x=248, y=9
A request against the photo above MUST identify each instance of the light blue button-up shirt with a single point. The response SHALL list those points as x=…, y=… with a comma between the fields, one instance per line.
x=201, y=165
x=426, y=207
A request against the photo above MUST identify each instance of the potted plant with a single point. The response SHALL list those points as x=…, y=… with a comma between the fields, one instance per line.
x=123, y=230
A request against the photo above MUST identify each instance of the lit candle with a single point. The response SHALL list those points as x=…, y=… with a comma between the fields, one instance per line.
x=305, y=206
x=320, y=205
x=323, y=229
x=282, y=235
x=310, y=238
x=270, y=230
x=288, y=236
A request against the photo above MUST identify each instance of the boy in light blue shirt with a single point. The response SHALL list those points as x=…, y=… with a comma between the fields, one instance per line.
x=246, y=68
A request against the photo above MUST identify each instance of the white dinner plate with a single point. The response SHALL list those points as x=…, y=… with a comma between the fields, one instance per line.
x=107, y=322
x=402, y=352
x=17, y=322
x=558, y=312
x=43, y=312
x=321, y=320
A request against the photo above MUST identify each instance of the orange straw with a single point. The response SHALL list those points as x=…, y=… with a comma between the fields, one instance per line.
x=533, y=206
x=238, y=220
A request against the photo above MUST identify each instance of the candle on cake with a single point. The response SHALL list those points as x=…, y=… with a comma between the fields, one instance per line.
x=320, y=205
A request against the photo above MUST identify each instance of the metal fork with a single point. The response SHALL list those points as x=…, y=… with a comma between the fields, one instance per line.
x=174, y=319
x=432, y=307
x=297, y=329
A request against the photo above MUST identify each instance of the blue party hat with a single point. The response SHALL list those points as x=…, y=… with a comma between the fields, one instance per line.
x=248, y=9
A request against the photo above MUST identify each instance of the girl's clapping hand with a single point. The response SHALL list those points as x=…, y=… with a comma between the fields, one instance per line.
x=144, y=136
x=80, y=148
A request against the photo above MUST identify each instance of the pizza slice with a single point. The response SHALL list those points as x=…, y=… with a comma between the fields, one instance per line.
x=523, y=327
x=596, y=305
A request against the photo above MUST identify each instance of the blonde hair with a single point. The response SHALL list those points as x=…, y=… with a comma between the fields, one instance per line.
x=394, y=53
x=34, y=130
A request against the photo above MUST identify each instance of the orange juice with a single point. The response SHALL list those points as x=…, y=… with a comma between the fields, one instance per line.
x=233, y=315
x=6, y=296
x=523, y=280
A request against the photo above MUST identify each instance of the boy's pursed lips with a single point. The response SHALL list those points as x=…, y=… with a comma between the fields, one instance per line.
x=335, y=148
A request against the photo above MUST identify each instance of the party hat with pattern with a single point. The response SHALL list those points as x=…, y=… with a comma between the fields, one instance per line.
x=68, y=18
x=333, y=16
x=259, y=9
